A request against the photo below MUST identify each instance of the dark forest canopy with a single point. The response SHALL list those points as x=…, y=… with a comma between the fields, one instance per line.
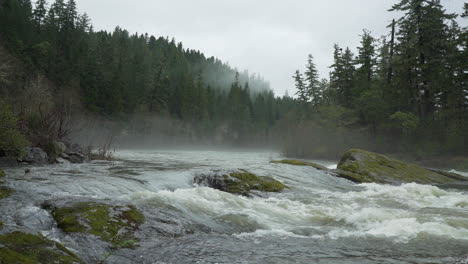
x=408, y=90
x=405, y=92
x=117, y=72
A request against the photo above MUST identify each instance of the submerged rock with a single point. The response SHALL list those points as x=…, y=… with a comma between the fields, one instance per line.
x=300, y=163
x=242, y=183
x=115, y=224
x=365, y=167
x=20, y=247
x=5, y=192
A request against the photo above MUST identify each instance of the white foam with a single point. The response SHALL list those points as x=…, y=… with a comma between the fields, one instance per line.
x=352, y=214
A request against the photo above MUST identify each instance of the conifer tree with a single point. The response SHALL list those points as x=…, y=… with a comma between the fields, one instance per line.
x=300, y=86
x=312, y=86
x=40, y=12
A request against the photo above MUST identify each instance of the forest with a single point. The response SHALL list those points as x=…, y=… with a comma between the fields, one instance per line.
x=405, y=93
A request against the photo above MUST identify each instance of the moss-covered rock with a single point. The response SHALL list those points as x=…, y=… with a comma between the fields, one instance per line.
x=300, y=163
x=5, y=192
x=2, y=173
x=241, y=183
x=364, y=166
x=25, y=248
x=115, y=224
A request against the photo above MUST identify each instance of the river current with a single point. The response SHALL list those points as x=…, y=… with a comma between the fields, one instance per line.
x=319, y=219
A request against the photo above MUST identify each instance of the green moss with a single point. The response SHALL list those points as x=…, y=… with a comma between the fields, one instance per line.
x=114, y=224
x=357, y=178
x=2, y=173
x=25, y=248
x=5, y=192
x=372, y=167
x=300, y=163
x=243, y=182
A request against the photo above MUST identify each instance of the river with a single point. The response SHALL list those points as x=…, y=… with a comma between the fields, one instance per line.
x=319, y=219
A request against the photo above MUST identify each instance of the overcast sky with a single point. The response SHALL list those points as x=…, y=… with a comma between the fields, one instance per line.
x=268, y=37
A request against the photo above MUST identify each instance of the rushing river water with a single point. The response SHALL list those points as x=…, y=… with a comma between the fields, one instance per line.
x=319, y=219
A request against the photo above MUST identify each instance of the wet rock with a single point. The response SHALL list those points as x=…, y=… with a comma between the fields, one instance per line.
x=300, y=163
x=5, y=192
x=35, y=156
x=8, y=162
x=74, y=148
x=241, y=183
x=20, y=247
x=364, y=166
x=61, y=161
x=2, y=173
x=75, y=157
x=114, y=224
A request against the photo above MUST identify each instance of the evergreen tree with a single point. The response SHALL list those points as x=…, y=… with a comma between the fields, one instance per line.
x=40, y=12
x=421, y=58
x=312, y=87
x=302, y=92
x=367, y=62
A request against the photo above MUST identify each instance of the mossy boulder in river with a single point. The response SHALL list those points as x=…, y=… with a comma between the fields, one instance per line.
x=300, y=163
x=25, y=248
x=2, y=173
x=241, y=183
x=364, y=166
x=115, y=224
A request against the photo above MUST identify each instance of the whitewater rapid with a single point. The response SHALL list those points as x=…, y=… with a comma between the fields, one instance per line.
x=318, y=219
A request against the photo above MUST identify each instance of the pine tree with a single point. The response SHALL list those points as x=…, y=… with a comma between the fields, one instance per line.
x=312, y=87
x=40, y=12
x=366, y=58
x=70, y=15
x=348, y=78
x=300, y=86
x=421, y=51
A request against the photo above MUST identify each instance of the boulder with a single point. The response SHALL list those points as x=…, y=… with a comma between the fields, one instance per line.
x=75, y=157
x=300, y=163
x=365, y=167
x=241, y=183
x=74, y=148
x=61, y=161
x=114, y=224
x=35, y=156
x=18, y=247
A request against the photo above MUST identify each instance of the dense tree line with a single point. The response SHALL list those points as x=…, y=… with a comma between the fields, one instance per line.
x=408, y=91
x=118, y=74
x=405, y=92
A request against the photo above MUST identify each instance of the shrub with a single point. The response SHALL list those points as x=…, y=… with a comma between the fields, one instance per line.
x=11, y=140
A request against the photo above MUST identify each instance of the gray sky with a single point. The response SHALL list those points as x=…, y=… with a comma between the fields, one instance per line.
x=268, y=37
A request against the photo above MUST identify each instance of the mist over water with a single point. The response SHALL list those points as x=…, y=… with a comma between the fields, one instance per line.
x=319, y=219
